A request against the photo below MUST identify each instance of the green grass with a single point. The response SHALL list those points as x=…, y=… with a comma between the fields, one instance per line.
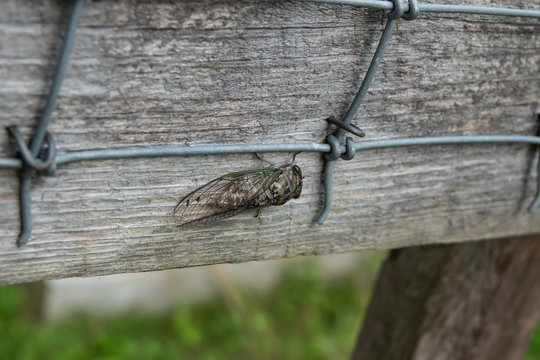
x=533, y=351
x=302, y=318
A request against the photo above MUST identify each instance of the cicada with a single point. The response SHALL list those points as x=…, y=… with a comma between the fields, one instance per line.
x=238, y=192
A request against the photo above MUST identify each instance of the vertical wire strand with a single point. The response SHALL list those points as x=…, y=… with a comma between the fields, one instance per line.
x=44, y=121
x=370, y=74
x=536, y=201
x=328, y=186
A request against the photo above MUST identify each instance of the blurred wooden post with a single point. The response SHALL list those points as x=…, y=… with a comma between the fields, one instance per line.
x=476, y=300
x=35, y=297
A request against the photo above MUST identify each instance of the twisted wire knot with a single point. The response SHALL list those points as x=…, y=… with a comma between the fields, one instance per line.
x=398, y=11
x=44, y=162
x=335, y=148
x=413, y=11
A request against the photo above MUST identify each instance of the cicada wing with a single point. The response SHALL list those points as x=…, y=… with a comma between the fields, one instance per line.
x=225, y=196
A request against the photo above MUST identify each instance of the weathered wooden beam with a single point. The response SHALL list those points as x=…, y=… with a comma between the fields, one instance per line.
x=228, y=72
x=461, y=301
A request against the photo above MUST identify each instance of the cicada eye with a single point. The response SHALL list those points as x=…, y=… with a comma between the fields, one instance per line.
x=297, y=171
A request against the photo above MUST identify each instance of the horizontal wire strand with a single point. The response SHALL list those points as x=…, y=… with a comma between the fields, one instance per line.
x=439, y=8
x=166, y=151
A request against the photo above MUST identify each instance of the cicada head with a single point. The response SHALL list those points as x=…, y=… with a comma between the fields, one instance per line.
x=287, y=185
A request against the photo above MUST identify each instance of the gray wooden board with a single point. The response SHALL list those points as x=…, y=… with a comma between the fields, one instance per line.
x=228, y=72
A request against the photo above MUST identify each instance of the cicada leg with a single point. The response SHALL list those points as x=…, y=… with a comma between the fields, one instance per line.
x=293, y=160
x=260, y=158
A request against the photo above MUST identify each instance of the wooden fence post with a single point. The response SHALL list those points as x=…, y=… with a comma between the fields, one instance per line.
x=476, y=300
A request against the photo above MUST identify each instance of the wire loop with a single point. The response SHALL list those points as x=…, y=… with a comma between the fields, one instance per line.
x=350, y=150
x=353, y=129
x=35, y=162
x=397, y=10
x=413, y=11
x=335, y=148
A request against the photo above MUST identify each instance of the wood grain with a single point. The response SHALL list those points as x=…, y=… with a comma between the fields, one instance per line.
x=227, y=71
x=455, y=302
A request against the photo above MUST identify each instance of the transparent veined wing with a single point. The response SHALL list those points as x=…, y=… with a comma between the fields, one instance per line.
x=226, y=196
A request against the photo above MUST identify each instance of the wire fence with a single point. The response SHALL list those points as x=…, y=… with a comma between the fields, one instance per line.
x=42, y=158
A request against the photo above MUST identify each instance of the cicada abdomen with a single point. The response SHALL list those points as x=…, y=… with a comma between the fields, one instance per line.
x=240, y=191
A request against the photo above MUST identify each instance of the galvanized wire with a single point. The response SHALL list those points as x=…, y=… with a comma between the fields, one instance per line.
x=334, y=148
x=330, y=160
x=440, y=8
x=407, y=11
x=43, y=124
x=370, y=74
x=164, y=151
x=536, y=200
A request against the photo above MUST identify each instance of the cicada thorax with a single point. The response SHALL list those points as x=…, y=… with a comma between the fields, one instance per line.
x=236, y=192
x=287, y=186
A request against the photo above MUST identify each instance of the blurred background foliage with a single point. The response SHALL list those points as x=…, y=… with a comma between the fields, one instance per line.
x=303, y=317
